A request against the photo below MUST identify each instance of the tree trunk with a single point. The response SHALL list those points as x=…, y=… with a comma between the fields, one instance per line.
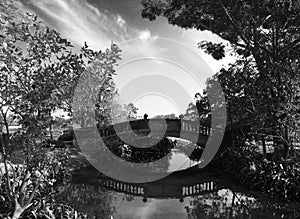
x=264, y=146
x=50, y=131
x=286, y=148
x=286, y=142
x=17, y=213
x=19, y=210
x=50, y=126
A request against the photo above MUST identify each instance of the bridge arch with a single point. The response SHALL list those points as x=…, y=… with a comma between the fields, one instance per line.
x=189, y=130
x=101, y=151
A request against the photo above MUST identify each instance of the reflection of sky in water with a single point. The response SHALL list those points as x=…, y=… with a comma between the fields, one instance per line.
x=230, y=202
x=224, y=202
x=179, y=161
x=153, y=208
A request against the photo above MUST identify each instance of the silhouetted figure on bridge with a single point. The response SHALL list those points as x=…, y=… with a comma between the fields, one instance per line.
x=146, y=124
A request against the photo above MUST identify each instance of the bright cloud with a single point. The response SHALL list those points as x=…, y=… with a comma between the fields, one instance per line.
x=80, y=21
x=121, y=21
x=144, y=34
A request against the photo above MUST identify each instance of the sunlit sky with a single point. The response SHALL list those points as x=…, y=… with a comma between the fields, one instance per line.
x=161, y=67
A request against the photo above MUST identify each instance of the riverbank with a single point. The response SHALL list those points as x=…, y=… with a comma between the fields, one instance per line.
x=252, y=170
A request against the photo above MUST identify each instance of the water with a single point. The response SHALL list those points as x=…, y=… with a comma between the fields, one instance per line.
x=187, y=193
x=228, y=202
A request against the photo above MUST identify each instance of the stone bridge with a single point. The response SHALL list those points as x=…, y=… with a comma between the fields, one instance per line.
x=177, y=128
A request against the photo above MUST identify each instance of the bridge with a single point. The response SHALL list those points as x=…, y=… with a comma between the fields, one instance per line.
x=177, y=128
x=112, y=137
x=185, y=129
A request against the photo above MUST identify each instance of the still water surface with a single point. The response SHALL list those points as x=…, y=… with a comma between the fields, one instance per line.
x=189, y=193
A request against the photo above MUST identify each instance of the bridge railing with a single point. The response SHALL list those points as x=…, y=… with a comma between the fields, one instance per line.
x=191, y=126
x=198, y=188
x=188, y=190
x=123, y=187
x=173, y=125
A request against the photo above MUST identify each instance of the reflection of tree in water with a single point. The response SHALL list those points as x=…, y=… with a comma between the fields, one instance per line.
x=99, y=152
x=92, y=200
x=147, y=153
x=228, y=204
x=190, y=149
x=128, y=198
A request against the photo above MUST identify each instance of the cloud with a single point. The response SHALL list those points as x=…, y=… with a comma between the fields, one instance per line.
x=144, y=34
x=121, y=21
x=80, y=21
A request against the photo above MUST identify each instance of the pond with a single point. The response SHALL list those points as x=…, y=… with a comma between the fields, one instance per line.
x=187, y=193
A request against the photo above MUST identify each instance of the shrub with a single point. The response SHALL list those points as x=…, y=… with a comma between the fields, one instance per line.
x=251, y=169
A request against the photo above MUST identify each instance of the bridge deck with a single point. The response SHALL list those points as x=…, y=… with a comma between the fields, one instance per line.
x=189, y=130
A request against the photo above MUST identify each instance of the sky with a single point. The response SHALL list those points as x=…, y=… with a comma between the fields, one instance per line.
x=161, y=67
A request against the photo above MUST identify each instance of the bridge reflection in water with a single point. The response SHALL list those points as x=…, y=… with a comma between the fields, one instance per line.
x=178, y=185
x=176, y=192
x=201, y=195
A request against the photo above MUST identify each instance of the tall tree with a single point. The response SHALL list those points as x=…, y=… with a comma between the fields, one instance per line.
x=96, y=92
x=38, y=74
x=131, y=111
x=167, y=116
x=262, y=31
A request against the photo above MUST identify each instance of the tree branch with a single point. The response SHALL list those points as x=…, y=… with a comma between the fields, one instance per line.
x=291, y=45
x=233, y=22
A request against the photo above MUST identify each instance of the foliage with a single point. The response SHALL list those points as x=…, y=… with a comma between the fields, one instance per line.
x=147, y=154
x=96, y=91
x=251, y=169
x=200, y=111
x=265, y=37
x=122, y=113
x=29, y=188
x=168, y=116
x=96, y=95
x=93, y=200
x=38, y=74
x=235, y=204
x=131, y=111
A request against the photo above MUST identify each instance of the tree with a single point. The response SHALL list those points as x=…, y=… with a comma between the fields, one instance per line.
x=167, y=116
x=95, y=94
x=37, y=69
x=200, y=110
x=38, y=74
x=266, y=33
x=131, y=111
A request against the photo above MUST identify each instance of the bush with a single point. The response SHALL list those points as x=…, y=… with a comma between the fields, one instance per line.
x=28, y=190
x=251, y=169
